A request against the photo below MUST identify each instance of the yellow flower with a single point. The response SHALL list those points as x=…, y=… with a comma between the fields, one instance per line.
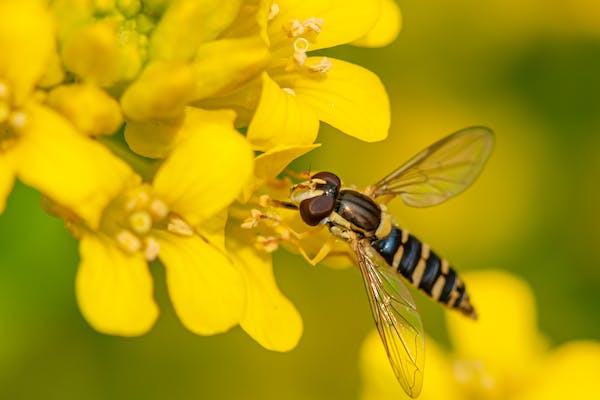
x=178, y=218
x=269, y=317
x=37, y=145
x=297, y=90
x=193, y=54
x=500, y=356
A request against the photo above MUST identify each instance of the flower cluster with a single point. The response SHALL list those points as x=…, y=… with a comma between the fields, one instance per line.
x=501, y=356
x=146, y=124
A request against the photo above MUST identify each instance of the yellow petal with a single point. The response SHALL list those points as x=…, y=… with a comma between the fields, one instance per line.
x=114, y=289
x=188, y=23
x=213, y=229
x=74, y=171
x=26, y=44
x=379, y=381
x=92, y=52
x=570, y=372
x=386, y=28
x=349, y=98
x=505, y=337
x=281, y=119
x=153, y=139
x=161, y=92
x=89, y=108
x=206, y=290
x=7, y=178
x=343, y=20
x=206, y=170
x=269, y=318
x=229, y=63
x=269, y=164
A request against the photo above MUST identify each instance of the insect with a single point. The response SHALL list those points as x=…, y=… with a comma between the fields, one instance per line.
x=384, y=251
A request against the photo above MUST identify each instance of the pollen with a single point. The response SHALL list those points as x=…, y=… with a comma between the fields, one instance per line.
x=289, y=91
x=140, y=222
x=128, y=241
x=179, y=227
x=295, y=28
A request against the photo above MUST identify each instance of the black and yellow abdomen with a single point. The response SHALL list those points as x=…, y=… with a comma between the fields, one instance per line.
x=424, y=269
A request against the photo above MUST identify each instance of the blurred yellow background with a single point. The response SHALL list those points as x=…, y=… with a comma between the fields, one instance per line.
x=527, y=69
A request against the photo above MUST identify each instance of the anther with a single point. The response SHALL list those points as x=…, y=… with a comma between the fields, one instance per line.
x=140, y=222
x=322, y=67
x=18, y=119
x=178, y=226
x=128, y=241
x=314, y=24
x=151, y=249
x=289, y=91
x=273, y=11
x=158, y=209
x=268, y=244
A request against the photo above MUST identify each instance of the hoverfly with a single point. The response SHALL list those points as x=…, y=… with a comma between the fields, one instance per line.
x=384, y=251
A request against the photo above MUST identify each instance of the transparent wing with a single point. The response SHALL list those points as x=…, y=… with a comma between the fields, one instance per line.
x=396, y=318
x=442, y=170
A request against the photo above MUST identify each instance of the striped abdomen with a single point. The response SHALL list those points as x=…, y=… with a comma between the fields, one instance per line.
x=424, y=269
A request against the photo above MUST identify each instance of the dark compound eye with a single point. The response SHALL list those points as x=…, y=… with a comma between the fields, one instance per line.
x=315, y=209
x=329, y=178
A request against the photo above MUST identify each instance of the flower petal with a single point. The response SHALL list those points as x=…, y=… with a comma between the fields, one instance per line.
x=386, y=28
x=89, y=108
x=92, y=52
x=206, y=170
x=160, y=92
x=281, y=119
x=74, y=171
x=114, y=289
x=505, y=337
x=206, y=290
x=153, y=139
x=229, y=63
x=269, y=164
x=343, y=20
x=349, y=98
x=570, y=372
x=188, y=23
x=269, y=318
x=26, y=45
x=7, y=178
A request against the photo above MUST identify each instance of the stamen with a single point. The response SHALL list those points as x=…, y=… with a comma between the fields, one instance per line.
x=252, y=220
x=289, y=91
x=158, y=209
x=128, y=241
x=313, y=23
x=300, y=48
x=138, y=200
x=178, y=226
x=295, y=28
x=322, y=67
x=18, y=119
x=268, y=244
x=140, y=222
x=151, y=249
x=273, y=11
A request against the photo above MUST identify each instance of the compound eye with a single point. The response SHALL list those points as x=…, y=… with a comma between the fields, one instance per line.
x=328, y=177
x=315, y=209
